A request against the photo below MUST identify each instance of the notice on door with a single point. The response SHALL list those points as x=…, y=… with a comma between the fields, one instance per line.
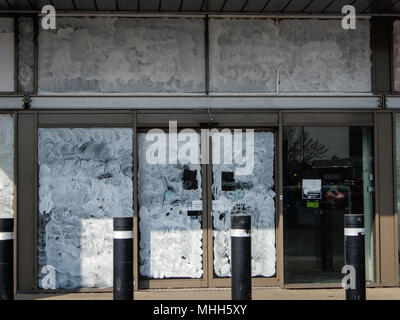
x=311, y=189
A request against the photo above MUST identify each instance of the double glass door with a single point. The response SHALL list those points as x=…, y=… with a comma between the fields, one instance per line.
x=188, y=186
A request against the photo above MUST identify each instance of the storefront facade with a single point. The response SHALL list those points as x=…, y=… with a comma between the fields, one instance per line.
x=81, y=108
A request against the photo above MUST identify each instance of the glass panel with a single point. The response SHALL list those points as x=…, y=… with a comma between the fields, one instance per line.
x=170, y=201
x=339, y=161
x=85, y=179
x=253, y=192
x=6, y=166
x=26, y=56
x=7, y=54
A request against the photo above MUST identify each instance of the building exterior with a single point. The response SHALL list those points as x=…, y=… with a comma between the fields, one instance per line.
x=315, y=101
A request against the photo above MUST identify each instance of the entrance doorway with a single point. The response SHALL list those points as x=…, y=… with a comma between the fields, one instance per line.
x=185, y=208
x=327, y=172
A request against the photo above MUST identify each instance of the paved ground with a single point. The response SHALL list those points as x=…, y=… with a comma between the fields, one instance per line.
x=224, y=294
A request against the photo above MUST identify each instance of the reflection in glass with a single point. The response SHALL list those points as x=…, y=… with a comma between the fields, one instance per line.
x=341, y=158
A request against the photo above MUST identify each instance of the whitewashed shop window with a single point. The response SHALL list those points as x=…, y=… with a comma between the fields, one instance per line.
x=7, y=55
x=170, y=206
x=6, y=166
x=122, y=55
x=85, y=179
x=26, y=54
x=293, y=56
x=254, y=194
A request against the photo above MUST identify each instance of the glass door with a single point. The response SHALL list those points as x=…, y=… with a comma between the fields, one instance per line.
x=170, y=206
x=181, y=241
x=244, y=183
x=327, y=172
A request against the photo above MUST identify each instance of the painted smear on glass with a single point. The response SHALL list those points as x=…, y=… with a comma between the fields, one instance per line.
x=85, y=179
x=254, y=194
x=170, y=217
x=6, y=166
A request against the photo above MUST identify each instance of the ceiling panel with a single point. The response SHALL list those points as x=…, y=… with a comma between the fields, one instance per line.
x=297, y=5
x=276, y=5
x=381, y=6
x=192, y=5
x=39, y=4
x=255, y=6
x=4, y=5
x=213, y=5
x=318, y=6
x=106, y=5
x=127, y=5
x=20, y=4
x=85, y=5
x=361, y=5
x=64, y=5
x=149, y=5
x=336, y=6
x=170, y=5
x=234, y=5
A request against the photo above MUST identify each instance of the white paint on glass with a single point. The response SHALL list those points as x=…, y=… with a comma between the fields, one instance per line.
x=107, y=55
x=6, y=166
x=258, y=196
x=311, y=56
x=170, y=239
x=85, y=179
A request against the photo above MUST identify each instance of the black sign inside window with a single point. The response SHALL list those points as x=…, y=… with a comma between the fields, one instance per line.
x=228, y=182
x=189, y=179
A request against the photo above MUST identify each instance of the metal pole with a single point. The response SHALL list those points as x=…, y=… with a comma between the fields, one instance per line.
x=7, y=259
x=123, y=259
x=241, y=256
x=354, y=234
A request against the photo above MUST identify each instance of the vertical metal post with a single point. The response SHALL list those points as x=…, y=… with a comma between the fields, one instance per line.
x=123, y=259
x=354, y=234
x=241, y=256
x=7, y=259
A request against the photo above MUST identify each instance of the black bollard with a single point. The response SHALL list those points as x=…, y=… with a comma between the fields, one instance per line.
x=241, y=256
x=123, y=259
x=7, y=259
x=354, y=234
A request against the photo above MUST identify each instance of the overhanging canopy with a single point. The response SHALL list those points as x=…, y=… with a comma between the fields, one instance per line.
x=305, y=7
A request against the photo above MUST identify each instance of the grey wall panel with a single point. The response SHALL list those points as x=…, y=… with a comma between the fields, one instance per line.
x=318, y=55
x=242, y=55
x=26, y=55
x=122, y=55
x=310, y=55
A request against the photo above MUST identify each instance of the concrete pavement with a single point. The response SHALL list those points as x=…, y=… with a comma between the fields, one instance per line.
x=223, y=294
